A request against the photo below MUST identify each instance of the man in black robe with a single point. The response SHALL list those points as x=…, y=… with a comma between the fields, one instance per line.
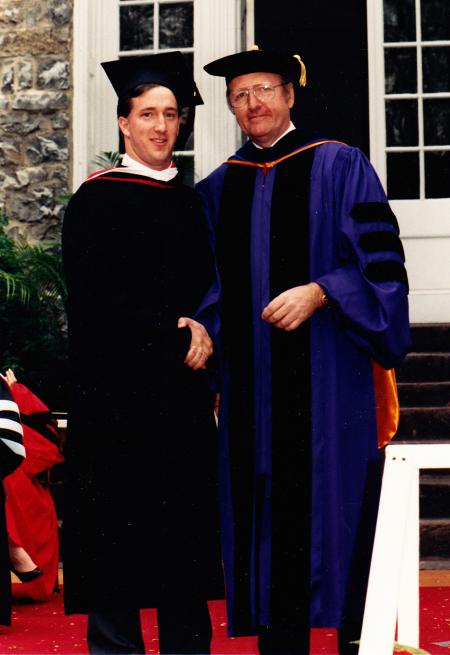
x=140, y=518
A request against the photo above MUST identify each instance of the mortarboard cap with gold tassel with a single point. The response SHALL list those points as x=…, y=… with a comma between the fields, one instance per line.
x=290, y=66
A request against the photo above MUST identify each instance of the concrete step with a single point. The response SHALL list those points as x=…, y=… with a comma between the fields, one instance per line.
x=434, y=564
x=424, y=394
x=425, y=367
x=435, y=538
x=424, y=424
x=430, y=337
x=424, y=391
x=435, y=494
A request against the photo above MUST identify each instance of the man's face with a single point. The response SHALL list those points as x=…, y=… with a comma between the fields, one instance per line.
x=151, y=128
x=263, y=121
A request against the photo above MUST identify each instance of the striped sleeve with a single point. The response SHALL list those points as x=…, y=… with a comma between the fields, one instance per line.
x=367, y=283
x=12, y=450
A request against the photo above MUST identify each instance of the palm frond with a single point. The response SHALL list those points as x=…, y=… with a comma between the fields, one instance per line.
x=16, y=287
x=32, y=272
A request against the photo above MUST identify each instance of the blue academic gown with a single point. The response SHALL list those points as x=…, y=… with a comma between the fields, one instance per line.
x=356, y=256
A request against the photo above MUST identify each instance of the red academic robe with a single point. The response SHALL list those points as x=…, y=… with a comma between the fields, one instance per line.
x=30, y=511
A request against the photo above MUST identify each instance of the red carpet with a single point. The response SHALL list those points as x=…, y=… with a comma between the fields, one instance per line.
x=43, y=629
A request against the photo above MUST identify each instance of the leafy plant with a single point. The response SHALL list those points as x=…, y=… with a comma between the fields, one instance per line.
x=108, y=159
x=33, y=334
x=31, y=272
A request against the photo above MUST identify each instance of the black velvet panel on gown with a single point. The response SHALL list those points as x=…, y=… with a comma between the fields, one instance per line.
x=291, y=454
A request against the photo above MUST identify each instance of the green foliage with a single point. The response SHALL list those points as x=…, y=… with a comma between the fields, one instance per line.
x=108, y=159
x=64, y=198
x=33, y=334
x=31, y=272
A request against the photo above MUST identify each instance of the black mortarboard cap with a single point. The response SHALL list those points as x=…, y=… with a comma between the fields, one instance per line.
x=291, y=67
x=168, y=69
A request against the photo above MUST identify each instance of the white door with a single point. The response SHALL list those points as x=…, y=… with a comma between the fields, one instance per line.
x=409, y=74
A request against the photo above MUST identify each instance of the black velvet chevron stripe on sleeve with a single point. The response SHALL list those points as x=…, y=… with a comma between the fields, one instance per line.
x=372, y=242
x=388, y=271
x=374, y=212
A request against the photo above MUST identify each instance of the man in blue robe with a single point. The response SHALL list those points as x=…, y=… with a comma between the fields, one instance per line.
x=313, y=299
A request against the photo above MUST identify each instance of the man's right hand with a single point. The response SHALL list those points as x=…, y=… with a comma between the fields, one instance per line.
x=201, y=347
x=294, y=306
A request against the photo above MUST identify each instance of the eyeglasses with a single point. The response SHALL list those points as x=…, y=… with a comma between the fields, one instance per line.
x=262, y=92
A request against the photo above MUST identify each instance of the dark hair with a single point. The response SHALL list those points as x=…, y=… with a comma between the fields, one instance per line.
x=124, y=102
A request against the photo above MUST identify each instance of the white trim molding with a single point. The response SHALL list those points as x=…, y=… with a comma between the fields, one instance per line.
x=95, y=39
x=249, y=23
x=424, y=222
x=376, y=87
x=216, y=34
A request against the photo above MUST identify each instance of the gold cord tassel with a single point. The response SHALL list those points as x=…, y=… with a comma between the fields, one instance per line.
x=302, y=80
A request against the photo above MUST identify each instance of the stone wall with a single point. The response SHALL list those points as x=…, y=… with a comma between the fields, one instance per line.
x=35, y=113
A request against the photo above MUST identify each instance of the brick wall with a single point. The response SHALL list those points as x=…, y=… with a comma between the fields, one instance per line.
x=35, y=113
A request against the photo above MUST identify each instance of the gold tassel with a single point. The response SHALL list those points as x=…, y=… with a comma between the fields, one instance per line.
x=302, y=80
x=254, y=47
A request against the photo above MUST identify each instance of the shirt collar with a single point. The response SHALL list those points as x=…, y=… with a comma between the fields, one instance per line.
x=133, y=166
x=289, y=129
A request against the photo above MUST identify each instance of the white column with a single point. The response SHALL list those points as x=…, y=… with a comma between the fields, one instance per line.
x=216, y=34
x=80, y=91
x=377, y=120
x=95, y=39
x=249, y=23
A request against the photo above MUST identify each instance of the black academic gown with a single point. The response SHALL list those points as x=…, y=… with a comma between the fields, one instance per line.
x=140, y=518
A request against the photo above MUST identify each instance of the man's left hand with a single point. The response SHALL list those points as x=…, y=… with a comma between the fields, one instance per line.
x=201, y=347
x=294, y=306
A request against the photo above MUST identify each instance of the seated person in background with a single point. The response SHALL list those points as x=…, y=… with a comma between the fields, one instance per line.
x=12, y=453
x=30, y=511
